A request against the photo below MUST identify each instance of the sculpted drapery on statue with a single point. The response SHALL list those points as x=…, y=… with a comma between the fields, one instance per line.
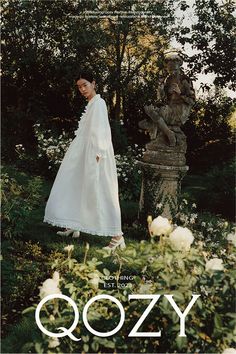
x=177, y=98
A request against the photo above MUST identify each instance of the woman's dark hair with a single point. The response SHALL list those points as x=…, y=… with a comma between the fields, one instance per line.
x=85, y=74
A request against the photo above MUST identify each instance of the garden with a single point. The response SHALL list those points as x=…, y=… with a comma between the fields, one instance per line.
x=193, y=253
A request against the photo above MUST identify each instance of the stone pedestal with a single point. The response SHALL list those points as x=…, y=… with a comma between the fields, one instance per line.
x=163, y=168
x=160, y=188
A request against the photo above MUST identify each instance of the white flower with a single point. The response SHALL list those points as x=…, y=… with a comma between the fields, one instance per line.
x=145, y=288
x=94, y=281
x=160, y=226
x=53, y=343
x=214, y=264
x=69, y=248
x=56, y=277
x=232, y=238
x=50, y=286
x=229, y=351
x=181, y=238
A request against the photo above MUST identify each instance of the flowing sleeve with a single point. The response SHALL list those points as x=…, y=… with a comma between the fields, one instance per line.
x=101, y=131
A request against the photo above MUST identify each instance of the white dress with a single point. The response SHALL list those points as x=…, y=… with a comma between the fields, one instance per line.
x=84, y=195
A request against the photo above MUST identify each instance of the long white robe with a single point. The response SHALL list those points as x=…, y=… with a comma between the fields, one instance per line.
x=84, y=195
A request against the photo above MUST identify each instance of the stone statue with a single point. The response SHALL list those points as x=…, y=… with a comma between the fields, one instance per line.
x=163, y=163
x=177, y=98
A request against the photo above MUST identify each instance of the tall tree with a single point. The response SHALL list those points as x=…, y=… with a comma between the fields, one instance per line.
x=212, y=36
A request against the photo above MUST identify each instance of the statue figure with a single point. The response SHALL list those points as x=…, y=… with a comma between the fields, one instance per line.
x=177, y=98
x=164, y=163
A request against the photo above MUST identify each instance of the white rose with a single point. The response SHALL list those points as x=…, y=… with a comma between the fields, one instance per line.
x=53, y=343
x=229, y=351
x=214, y=264
x=50, y=286
x=232, y=238
x=181, y=238
x=160, y=226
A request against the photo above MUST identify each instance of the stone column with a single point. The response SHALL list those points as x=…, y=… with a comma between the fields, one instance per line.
x=160, y=188
x=163, y=168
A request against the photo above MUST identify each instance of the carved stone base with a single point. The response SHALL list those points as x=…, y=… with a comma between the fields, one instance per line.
x=160, y=188
x=160, y=153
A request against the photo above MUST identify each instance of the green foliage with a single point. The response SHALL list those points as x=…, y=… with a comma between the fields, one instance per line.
x=214, y=190
x=23, y=263
x=21, y=333
x=154, y=268
x=209, y=133
x=129, y=173
x=213, y=36
x=18, y=202
x=119, y=137
x=45, y=45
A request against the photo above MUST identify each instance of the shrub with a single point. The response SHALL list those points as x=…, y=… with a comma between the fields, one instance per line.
x=18, y=201
x=214, y=190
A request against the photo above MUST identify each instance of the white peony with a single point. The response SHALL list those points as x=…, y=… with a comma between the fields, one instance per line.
x=229, y=351
x=214, y=264
x=181, y=239
x=53, y=343
x=232, y=238
x=160, y=226
x=50, y=286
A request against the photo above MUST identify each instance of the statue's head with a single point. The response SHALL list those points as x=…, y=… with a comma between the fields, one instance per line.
x=173, y=62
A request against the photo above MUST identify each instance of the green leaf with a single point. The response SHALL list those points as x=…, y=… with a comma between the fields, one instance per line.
x=29, y=309
x=106, y=272
x=217, y=321
x=95, y=346
x=86, y=348
x=181, y=342
x=38, y=348
x=70, y=263
x=85, y=339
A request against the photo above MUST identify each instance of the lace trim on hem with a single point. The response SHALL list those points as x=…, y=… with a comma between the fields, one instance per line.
x=78, y=228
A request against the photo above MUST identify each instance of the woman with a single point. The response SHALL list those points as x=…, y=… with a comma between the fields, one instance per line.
x=84, y=196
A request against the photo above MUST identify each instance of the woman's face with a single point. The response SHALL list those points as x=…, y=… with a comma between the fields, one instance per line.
x=86, y=88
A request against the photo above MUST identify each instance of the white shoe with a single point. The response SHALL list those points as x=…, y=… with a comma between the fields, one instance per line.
x=76, y=234
x=116, y=243
x=65, y=233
